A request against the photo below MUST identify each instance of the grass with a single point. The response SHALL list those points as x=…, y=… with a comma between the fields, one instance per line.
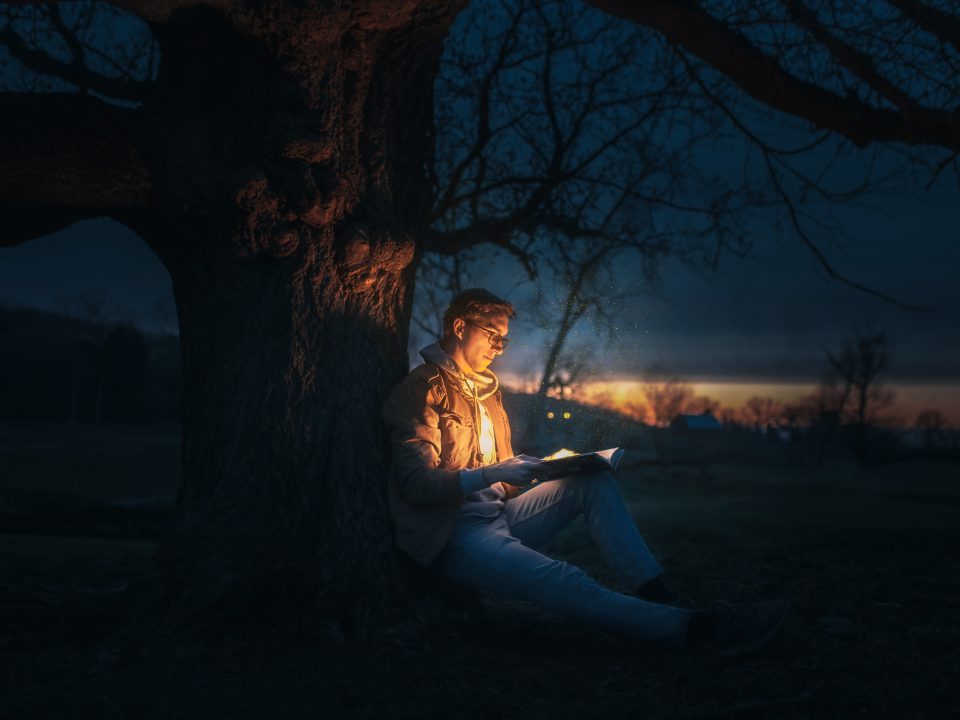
x=102, y=463
x=868, y=558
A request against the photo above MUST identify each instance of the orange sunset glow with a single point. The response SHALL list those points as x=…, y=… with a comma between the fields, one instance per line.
x=626, y=395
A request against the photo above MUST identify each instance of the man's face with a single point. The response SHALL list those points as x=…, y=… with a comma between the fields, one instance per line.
x=475, y=347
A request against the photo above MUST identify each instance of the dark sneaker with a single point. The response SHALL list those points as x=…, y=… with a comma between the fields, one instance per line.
x=742, y=628
x=657, y=591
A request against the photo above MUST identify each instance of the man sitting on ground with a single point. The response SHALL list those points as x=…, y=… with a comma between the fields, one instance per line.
x=456, y=502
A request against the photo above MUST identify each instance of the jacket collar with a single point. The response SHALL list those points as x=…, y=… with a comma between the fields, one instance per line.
x=486, y=382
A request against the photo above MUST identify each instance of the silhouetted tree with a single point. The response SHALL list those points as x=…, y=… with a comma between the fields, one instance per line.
x=666, y=396
x=703, y=404
x=932, y=423
x=860, y=364
x=729, y=416
x=826, y=404
x=762, y=412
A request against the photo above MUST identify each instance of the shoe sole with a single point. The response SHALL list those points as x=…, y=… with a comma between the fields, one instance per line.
x=745, y=648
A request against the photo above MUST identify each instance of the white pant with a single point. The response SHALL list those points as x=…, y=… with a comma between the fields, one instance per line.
x=499, y=555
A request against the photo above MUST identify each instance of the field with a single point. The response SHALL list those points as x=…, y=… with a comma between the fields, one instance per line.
x=869, y=559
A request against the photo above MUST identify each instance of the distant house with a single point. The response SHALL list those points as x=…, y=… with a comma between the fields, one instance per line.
x=706, y=421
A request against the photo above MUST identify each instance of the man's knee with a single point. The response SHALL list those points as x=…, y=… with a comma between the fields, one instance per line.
x=602, y=483
x=585, y=489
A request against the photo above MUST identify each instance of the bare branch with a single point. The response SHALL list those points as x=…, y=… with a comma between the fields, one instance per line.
x=818, y=253
x=74, y=72
x=760, y=75
x=484, y=133
x=769, y=156
x=493, y=232
x=943, y=26
x=154, y=11
x=856, y=62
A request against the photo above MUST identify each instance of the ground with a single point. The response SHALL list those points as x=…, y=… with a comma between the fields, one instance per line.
x=867, y=557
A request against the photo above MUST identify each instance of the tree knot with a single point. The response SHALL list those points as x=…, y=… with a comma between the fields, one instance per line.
x=367, y=256
x=272, y=212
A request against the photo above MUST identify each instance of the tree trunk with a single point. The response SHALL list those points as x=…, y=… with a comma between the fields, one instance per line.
x=285, y=368
x=861, y=429
x=291, y=179
x=276, y=165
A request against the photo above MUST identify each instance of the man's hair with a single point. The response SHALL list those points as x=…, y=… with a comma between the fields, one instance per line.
x=475, y=304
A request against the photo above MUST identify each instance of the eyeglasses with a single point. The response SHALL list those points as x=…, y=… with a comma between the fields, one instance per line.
x=493, y=336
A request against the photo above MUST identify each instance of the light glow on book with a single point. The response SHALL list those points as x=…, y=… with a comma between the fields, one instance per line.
x=561, y=453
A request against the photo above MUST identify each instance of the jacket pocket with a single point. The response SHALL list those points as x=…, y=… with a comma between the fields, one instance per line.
x=456, y=436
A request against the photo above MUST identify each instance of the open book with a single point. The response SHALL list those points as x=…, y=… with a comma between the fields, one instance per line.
x=565, y=463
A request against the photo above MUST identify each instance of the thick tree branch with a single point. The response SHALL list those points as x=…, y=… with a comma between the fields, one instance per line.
x=857, y=63
x=943, y=26
x=451, y=242
x=154, y=11
x=758, y=74
x=63, y=158
x=494, y=232
x=74, y=72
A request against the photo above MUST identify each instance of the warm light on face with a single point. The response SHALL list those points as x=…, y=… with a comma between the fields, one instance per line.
x=474, y=344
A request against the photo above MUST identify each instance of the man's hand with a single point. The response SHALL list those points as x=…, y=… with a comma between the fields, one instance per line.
x=520, y=471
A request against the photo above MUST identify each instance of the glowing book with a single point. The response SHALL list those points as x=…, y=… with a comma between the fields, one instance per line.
x=565, y=463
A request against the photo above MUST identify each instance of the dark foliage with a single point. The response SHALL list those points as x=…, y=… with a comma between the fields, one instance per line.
x=58, y=368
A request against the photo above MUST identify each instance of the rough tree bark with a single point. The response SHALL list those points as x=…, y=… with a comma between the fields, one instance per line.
x=276, y=168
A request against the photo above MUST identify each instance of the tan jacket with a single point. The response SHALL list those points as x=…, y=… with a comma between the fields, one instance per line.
x=434, y=433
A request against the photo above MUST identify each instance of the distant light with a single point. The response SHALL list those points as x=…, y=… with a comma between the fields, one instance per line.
x=566, y=416
x=550, y=415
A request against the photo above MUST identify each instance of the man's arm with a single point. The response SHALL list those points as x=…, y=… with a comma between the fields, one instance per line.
x=415, y=444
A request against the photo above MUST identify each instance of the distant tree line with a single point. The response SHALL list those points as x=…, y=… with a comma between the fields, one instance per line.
x=60, y=368
x=850, y=411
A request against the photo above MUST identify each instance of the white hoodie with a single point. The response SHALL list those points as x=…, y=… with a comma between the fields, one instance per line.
x=480, y=500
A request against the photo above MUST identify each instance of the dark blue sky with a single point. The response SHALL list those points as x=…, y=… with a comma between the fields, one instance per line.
x=767, y=317
x=763, y=317
x=89, y=256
